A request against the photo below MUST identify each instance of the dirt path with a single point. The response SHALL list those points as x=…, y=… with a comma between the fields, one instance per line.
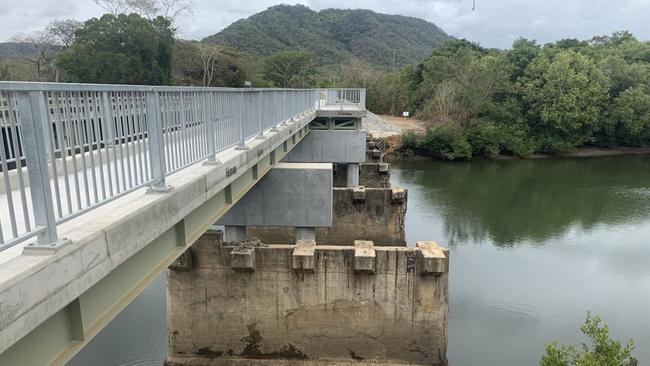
x=386, y=126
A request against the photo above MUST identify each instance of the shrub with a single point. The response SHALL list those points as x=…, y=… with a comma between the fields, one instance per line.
x=603, y=351
x=410, y=140
x=446, y=142
x=486, y=138
x=489, y=138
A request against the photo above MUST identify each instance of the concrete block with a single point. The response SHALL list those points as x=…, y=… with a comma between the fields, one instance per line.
x=384, y=167
x=359, y=193
x=302, y=259
x=242, y=259
x=330, y=146
x=290, y=194
x=433, y=258
x=364, y=256
x=398, y=195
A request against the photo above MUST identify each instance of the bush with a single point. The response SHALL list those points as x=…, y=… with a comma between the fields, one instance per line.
x=486, y=139
x=410, y=140
x=489, y=138
x=445, y=142
x=603, y=351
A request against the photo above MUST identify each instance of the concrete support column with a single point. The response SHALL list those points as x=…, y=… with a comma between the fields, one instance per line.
x=234, y=233
x=305, y=233
x=353, y=174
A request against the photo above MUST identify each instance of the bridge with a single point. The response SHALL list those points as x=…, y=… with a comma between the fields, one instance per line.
x=104, y=186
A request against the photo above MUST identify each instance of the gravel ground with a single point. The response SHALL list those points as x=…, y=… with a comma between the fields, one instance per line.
x=378, y=127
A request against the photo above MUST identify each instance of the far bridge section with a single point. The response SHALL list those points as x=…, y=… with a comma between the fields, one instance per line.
x=104, y=186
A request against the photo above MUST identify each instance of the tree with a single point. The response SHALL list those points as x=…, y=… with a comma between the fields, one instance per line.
x=210, y=57
x=45, y=46
x=289, y=69
x=171, y=9
x=62, y=32
x=603, y=351
x=123, y=49
x=630, y=117
x=564, y=95
x=522, y=53
x=58, y=35
x=196, y=63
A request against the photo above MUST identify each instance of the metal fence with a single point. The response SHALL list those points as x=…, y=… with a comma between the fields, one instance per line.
x=67, y=148
x=343, y=97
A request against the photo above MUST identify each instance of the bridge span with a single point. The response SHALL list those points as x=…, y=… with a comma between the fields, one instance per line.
x=104, y=186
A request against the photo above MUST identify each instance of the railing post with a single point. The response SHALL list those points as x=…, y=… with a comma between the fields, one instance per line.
x=274, y=108
x=260, y=136
x=32, y=118
x=242, y=138
x=212, y=130
x=155, y=131
x=284, y=108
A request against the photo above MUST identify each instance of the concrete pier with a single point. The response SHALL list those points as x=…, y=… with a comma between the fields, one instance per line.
x=309, y=305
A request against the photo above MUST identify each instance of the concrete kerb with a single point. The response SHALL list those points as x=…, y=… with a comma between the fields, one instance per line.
x=53, y=281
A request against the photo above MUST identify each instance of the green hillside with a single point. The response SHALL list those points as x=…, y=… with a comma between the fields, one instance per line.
x=334, y=35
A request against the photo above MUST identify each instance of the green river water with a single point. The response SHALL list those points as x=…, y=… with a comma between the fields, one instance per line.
x=534, y=244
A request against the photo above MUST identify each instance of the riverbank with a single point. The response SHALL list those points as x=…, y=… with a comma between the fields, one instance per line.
x=389, y=130
x=394, y=151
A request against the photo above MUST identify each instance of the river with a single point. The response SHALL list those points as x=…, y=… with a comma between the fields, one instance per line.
x=535, y=244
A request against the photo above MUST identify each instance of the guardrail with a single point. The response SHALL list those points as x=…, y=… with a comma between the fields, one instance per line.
x=68, y=148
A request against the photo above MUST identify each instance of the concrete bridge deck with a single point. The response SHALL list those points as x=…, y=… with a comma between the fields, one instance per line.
x=55, y=298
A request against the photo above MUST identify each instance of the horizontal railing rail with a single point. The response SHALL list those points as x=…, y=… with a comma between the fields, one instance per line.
x=68, y=148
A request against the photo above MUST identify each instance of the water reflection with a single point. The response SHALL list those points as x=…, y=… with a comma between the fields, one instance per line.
x=535, y=245
x=511, y=202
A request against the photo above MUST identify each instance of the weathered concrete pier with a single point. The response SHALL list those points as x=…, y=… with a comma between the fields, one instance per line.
x=308, y=304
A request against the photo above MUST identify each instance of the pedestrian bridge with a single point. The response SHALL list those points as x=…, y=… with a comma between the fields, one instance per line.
x=104, y=186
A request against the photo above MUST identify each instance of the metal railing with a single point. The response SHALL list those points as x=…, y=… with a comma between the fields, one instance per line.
x=68, y=148
x=343, y=97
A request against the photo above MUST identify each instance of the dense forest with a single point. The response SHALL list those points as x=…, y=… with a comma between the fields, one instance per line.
x=333, y=36
x=531, y=98
x=528, y=99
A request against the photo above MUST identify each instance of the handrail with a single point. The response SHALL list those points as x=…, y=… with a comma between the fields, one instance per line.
x=68, y=148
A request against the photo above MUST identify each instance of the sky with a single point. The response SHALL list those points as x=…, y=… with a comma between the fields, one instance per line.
x=492, y=23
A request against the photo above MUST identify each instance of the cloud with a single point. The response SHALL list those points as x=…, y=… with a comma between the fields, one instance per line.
x=493, y=23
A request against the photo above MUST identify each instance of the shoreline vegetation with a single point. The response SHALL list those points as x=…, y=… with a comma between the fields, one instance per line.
x=395, y=150
x=567, y=98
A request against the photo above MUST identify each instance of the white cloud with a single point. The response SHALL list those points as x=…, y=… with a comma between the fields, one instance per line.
x=494, y=23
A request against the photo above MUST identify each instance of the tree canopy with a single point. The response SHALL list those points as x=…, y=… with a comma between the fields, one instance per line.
x=532, y=98
x=123, y=49
x=289, y=69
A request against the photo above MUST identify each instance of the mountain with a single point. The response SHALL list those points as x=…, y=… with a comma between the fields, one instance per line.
x=334, y=35
x=16, y=49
